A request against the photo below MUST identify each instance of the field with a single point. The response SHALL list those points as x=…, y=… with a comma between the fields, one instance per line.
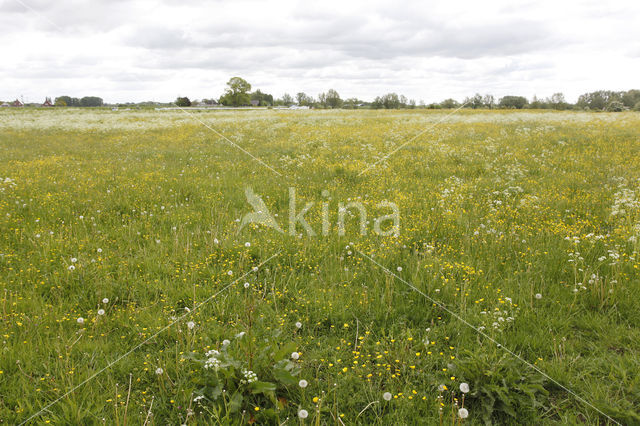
x=135, y=286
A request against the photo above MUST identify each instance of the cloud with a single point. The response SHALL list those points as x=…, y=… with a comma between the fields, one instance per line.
x=140, y=50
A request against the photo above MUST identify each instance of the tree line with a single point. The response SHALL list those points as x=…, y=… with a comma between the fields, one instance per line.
x=238, y=94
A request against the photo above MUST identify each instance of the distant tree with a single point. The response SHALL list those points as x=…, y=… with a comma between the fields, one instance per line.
x=517, y=102
x=630, y=98
x=91, y=101
x=488, y=101
x=183, y=102
x=351, y=103
x=449, y=103
x=412, y=104
x=598, y=100
x=331, y=99
x=615, y=106
x=391, y=101
x=377, y=103
x=287, y=99
x=304, y=99
x=60, y=102
x=636, y=107
x=69, y=101
x=237, y=92
x=264, y=99
x=474, y=102
x=557, y=101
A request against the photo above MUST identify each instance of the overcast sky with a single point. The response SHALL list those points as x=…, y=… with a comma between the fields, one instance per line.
x=156, y=50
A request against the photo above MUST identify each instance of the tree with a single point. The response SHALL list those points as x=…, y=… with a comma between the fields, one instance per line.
x=237, y=92
x=264, y=99
x=69, y=101
x=183, y=102
x=557, y=101
x=475, y=101
x=287, y=100
x=391, y=101
x=91, y=101
x=331, y=99
x=304, y=99
x=60, y=102
x=449, y=103
x=517, y=102
x=489, y=101
x=598, y=100
x=352, y=103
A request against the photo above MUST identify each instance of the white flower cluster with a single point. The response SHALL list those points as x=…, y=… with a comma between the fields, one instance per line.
x=624, y=201
x=6, y=183
x=212, y=360
x=249, y=376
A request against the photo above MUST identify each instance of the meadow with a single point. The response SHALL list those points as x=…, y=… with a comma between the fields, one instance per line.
x=132, y=291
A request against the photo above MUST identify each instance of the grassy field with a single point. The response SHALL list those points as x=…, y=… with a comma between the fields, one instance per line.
x=131, y=293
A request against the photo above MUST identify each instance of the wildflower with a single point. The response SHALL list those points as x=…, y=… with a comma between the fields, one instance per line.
x=99, y=250
x=100, y=311
x=240, y=335
x=229, y=273
x=247, y=244
x=191, y=324
x=298, y=324
x=159, y=371
x=249, y=376
x=72, y=268
x=464, y=387
x=538, y=296
x=295, y=355
x=225, y=342
x=80, y=320
x=303, y=414
x=399, y=268
x=105, y=300
x=463, y=413
x=386, y=396
x=246, y=285
x=303, y=383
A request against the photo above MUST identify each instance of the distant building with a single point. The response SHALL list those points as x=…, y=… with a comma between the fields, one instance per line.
x=17, y=103
x=4, y=105
x=255, y=102
x=47, y=102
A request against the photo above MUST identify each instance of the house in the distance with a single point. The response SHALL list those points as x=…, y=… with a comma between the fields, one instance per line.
x=47, y=102
x=4, y=105
x=17, y=103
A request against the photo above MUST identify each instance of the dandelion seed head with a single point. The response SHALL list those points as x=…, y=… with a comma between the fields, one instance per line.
x=463, y=413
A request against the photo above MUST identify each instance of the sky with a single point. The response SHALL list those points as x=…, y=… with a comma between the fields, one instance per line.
x=140, y=50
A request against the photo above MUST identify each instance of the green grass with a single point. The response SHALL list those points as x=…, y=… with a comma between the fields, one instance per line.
x=149, y=204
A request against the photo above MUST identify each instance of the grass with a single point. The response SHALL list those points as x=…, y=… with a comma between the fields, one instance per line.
x=495, y=208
